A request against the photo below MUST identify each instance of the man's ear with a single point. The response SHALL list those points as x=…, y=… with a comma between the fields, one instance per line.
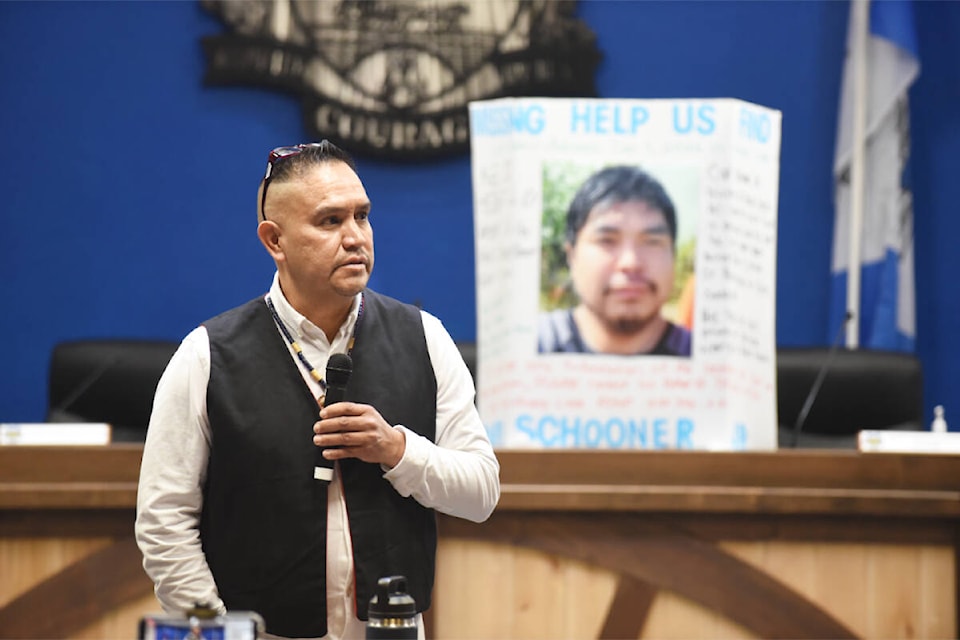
x=568, y=252
x=269, y=234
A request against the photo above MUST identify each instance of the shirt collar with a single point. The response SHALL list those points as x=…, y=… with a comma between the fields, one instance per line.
x=299, y=325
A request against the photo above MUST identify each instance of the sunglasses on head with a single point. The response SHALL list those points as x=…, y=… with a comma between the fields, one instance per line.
x=278, y=154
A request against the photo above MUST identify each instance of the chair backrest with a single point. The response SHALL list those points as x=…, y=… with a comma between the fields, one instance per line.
x=107, y=380
x=862, y=389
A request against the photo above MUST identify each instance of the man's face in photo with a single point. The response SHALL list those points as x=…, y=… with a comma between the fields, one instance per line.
x=622, y=264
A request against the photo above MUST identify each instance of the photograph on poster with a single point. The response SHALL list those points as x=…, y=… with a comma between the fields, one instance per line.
x=617, y=258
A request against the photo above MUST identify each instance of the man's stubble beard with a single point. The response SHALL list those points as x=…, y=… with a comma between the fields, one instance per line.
x=626, y=326
x=629, y=324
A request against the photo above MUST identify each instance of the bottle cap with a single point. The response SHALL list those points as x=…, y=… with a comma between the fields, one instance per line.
x=391, y=599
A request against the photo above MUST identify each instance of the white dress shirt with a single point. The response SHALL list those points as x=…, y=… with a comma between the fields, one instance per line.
x=458, y=475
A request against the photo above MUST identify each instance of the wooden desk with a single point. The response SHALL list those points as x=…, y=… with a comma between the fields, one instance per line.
x=583, y=544
x=69, y=566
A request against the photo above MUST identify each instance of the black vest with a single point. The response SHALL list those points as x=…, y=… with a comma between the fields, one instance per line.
x=263, y=526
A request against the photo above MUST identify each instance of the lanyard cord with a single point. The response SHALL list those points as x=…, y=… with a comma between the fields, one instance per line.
x=299, y=351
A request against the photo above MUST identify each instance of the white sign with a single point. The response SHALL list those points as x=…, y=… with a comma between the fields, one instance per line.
x=54, y=433
x=604, y=322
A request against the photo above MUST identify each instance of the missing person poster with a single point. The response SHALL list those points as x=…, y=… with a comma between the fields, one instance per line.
x=626, y=272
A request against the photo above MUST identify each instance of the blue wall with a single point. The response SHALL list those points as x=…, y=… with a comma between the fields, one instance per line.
x=128, y=188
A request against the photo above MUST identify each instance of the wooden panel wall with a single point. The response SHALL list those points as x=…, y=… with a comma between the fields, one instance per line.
x=873, y=590
x=75, y=587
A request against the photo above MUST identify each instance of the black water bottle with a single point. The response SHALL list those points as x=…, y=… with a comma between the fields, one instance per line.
x=392, y=614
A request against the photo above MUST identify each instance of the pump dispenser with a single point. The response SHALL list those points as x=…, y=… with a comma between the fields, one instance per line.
x=939, y=424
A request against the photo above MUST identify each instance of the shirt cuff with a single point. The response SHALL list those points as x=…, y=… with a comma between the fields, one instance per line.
x=407, y=474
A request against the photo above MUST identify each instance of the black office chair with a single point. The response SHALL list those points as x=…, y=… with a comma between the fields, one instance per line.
x=107, y=380
x=861, y=389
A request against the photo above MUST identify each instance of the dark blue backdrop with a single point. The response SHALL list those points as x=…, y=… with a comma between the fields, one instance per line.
x=128, y=188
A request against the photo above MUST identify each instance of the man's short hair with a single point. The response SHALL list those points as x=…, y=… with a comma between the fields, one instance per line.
x=285, y=163
x=622, y=183
x=312, y=154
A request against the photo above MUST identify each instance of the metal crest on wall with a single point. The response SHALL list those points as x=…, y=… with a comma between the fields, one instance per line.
x=392, y=78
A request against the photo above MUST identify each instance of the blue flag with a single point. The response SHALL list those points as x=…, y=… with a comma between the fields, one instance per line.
x=887, y=308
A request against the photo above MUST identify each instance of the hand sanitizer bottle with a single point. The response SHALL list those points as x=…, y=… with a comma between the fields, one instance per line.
x=939, y=424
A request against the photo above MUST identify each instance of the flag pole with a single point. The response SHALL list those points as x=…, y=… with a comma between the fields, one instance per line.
x=861, y=27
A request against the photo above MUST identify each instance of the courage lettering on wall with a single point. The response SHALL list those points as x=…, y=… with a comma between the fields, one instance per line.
x=392, y=78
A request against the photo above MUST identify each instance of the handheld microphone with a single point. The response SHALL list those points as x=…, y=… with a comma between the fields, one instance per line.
x=815, y=389
x=339, y=369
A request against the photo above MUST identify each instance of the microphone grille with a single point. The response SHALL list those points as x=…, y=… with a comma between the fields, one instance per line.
x=339, y=368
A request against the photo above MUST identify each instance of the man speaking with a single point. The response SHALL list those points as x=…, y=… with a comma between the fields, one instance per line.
x=256, y=493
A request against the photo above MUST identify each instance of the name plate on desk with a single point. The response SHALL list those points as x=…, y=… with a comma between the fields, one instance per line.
x=895, y=441
x=54, y=433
